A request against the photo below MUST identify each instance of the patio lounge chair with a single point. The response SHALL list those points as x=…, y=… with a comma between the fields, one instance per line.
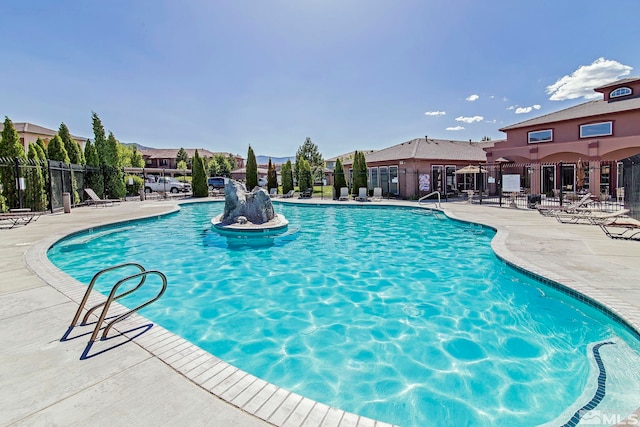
x=344, y=194
x=273, y=192
x=377, y=194
x=306, y=194
x=288, y=195
x=362, y=195
x=571, y=207
x=589, y=217
x=18, y=217
x=622, y=228
x=97, y=201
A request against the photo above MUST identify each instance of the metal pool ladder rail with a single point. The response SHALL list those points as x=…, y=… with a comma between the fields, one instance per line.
x=439, y=206
x=142, y=275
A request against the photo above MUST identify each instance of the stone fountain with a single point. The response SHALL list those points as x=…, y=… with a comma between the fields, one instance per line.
x=248, y=212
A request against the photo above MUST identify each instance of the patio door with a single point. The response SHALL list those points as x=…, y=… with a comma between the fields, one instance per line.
x=393, y=180
x=548, y=178
x=568, y=178
x=384, y=179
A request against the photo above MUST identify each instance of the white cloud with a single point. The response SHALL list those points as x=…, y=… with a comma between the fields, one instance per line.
x=491, y=121
x=472, y=98
x=512, y=107
x=469, y=119
x=581, y=82
x=523, y=110
x=455, y=128
x=434, y=113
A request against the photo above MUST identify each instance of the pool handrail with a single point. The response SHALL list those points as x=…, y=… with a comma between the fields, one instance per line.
x=429, y=195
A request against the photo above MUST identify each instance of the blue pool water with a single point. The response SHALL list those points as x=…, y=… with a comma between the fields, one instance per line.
x=391, y=313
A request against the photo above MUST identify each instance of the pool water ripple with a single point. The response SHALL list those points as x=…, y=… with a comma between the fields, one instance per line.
x=409, y=319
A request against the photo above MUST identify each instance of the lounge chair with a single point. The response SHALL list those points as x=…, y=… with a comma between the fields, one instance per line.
x=306, y=194
x=571, y=207
x=362, y=195
x=97, y=201
x=273, y=192
x=344, y=193
x=377, y=194
x=288, y=195
x=621, y=228
x=18, y=217
x=589, y=217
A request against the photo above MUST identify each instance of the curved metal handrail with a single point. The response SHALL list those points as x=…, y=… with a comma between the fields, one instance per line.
x=112, y=297
x=93, y=282
x=429, y=195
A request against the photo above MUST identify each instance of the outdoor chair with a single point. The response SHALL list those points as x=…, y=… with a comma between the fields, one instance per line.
x=344, y=194
x=273, y=192
x=622, y=228
x=306, y=194
x=377, y=194
x=288, y=195
x=97, y=201
x=362, y=195
x=18, y=217
x=570, y=208
x=589, y=217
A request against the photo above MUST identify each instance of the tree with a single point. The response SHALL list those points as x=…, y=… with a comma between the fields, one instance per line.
x=272, y=177
x=35, y=195
x=100, y=140
x=10, y=148
x=287, y=177
x=252, y=170
x=136, y=159
x=113, y=178
x=181, y=165
x=57, y=151
x=339, y=179
x=182, y=156
x=305, y=180
x=70, y=145
x=94, y=178
x=199, y=177
x=43, y=147
x=309, y=151
x=359, y=172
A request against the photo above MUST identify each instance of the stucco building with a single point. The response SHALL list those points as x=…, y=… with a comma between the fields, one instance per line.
x=422, y=165
x=29, y=133
x=578, y=148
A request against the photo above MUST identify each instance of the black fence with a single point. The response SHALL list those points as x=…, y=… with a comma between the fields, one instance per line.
x=39, y=186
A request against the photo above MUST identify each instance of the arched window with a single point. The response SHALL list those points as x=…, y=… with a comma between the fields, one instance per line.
x=621, y=91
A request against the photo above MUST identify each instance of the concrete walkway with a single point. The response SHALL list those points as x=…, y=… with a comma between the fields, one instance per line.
x=146, y=376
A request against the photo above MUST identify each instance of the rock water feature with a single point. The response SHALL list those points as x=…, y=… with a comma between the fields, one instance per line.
x=248, y=213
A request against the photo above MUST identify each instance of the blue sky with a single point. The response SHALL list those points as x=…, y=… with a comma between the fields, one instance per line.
x=349, y=74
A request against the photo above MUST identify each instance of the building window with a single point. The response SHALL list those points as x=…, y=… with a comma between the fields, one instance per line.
x=540, y=136
x=621, y=91
x=596, y=129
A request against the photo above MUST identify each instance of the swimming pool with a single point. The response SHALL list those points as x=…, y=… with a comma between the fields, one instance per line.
x=386, y=312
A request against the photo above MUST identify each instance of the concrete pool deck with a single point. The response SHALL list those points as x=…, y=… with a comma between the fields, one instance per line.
x=144, y=375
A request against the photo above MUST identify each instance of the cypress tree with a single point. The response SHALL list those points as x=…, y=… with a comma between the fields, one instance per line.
x=94, y=178
x=70, y=144
x=56, y=150
x=339, y=180
x=113, y=177
x=10, y=148
x=287, y=177
x=305, y=180
x=252, y=170
x=272, y=177
x=35, y=195
x=199, y=177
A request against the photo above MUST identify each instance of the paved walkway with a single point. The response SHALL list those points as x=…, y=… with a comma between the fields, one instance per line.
x=145, y=376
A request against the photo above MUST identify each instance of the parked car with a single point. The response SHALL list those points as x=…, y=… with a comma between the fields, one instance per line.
x=165, y=184
x=217, y=182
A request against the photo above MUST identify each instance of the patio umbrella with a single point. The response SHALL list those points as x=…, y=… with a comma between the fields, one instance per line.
x=470, y=169
x=579, y=174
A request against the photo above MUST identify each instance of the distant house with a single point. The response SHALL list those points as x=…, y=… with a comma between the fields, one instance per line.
x=29, y=133
x=420, y=166
x=583, y=141
x=166, y=157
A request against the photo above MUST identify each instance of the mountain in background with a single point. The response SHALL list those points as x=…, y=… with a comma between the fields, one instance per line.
x=263, y=160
